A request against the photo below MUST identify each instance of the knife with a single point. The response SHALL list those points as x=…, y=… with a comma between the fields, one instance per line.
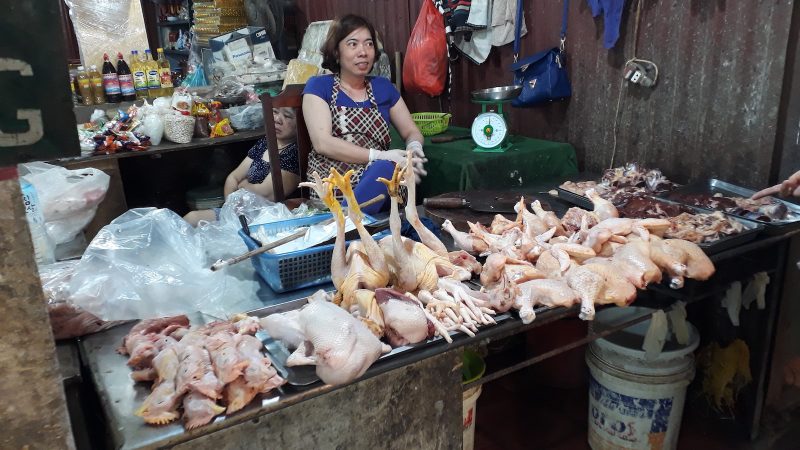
x=455, y=203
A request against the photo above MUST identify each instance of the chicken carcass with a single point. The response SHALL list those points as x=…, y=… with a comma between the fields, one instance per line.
x=603, y=208
x=698, y=265
x=161, y=406
x=465, y=241
x=199, y=410
x=405, y=320
x=545, y=292
x=339, y=345
x=599, y=284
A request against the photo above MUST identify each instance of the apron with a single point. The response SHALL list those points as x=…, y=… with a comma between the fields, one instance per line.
x=362, y=126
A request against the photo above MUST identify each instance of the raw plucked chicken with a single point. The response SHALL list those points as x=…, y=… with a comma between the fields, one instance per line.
x=198, y=368
x=405, y=320
x=591, y=257
x=339, y=345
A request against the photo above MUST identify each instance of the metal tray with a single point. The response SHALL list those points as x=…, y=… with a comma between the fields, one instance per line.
x=715, y=186
x=306, y=375
x=752, y=229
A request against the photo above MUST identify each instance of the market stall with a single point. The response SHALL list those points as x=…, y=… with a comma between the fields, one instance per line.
x=427, y=369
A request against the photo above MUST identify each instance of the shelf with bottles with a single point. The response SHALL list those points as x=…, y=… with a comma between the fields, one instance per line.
x=145, y=77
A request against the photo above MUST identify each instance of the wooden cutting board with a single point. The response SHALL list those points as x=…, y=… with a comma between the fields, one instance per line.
x=460, y=216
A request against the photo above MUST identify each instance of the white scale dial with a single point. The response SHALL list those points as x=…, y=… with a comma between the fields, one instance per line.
x=489, y=130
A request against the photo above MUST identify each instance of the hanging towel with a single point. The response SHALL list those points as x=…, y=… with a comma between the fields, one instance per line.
x=476, y=45
x=612, y=18
x=504, y=18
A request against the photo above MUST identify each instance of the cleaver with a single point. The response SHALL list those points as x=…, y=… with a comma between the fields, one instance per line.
x=483, y=203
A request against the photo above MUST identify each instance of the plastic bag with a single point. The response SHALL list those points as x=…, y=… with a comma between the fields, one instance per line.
x=151, y=263
x=68, y=198
x=153, y=126
x=425, y=67
x=248, y=117
x=67, y=320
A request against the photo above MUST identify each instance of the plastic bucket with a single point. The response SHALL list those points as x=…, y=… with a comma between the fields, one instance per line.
x=635, y=403
x=472, y=369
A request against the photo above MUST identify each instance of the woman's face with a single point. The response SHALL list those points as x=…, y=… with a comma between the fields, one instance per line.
x=285, y=123
x=357, y=53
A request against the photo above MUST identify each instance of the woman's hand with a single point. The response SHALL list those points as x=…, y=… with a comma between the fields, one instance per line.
x=790, y=186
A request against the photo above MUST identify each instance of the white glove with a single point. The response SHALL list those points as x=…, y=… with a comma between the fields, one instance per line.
x=396, y=156
x=416, y=147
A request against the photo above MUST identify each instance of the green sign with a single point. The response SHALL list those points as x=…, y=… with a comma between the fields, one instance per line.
x=36, y=118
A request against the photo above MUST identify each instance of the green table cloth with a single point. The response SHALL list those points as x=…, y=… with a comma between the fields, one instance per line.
x=453, y=166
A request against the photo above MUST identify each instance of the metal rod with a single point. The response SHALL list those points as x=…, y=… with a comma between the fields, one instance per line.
x=298, y=234
x=264, y=248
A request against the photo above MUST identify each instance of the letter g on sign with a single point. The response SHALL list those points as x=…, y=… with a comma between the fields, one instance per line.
x=32, y=116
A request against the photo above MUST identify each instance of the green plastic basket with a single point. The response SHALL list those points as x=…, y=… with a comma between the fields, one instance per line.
x=431, y=123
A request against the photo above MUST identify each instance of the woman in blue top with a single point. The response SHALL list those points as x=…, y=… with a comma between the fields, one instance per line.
x=253, y=173
x=348, y=113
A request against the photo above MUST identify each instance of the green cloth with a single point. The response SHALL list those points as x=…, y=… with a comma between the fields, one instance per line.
x=453, y=166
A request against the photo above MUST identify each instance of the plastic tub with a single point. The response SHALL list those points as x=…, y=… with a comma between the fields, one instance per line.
x=472, y=369
x=634, y=403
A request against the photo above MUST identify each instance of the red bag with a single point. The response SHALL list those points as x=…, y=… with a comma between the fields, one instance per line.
x=425, y=68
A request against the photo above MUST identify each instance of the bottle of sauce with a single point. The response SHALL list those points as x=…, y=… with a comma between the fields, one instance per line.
x=139, y=75
x=125, y=79
x=85, y=86
x=110, y=81
x=76, y=100
x=153, y=77
x=98, y=92
x=165, y=73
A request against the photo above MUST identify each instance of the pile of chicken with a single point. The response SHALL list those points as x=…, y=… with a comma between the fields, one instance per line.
x=398, y=289
x=587, y=257
x=194, y=369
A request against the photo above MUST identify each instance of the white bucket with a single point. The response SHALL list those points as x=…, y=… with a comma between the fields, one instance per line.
x=634, y=403
x=468, y=409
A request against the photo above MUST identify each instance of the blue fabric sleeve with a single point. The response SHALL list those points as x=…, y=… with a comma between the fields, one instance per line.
x=321, y=86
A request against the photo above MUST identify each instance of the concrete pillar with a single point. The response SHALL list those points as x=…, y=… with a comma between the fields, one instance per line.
x=33, y=411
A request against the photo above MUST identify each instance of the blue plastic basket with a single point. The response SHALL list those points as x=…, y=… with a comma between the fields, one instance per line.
x=294, y=270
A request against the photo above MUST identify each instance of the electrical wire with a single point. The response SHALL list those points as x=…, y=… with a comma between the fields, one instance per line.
x=633, y=59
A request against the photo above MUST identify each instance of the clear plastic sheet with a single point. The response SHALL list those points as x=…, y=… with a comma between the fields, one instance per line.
x=67, y=320
x=151, y=263
x=107, y=26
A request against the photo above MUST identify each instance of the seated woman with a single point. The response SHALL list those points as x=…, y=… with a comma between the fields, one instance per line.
x=348, y=113
x=253, y=173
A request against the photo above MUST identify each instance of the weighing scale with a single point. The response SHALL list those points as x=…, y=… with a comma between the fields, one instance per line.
x=489, y=129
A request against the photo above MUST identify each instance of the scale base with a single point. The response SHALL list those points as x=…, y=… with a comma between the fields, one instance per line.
x=499, y=149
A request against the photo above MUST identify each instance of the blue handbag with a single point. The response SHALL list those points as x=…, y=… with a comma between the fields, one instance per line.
x=543, y=76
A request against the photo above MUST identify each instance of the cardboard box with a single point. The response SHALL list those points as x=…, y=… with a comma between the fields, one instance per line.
x=242, y=45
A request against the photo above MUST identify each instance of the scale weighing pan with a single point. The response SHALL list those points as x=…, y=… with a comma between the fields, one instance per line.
x=497, y=94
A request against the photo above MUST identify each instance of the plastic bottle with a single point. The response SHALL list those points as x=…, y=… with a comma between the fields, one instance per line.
x=165, y=72
x=153, y=77
x=139, y=75
x=72, y=82
x=111, y=81
x=98, y=92
x=125, y=79
x=85, y=86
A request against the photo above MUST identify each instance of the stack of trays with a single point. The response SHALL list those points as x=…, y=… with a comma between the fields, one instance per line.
x=215, y=17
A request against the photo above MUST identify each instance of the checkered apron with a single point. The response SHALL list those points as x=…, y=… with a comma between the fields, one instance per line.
x=362, y=126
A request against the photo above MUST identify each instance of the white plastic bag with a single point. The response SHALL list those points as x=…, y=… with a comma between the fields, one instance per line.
x=153, y=126
x=68, y=198
x=247, y=117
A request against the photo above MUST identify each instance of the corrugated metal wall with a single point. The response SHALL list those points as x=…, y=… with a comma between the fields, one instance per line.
x=713, y=113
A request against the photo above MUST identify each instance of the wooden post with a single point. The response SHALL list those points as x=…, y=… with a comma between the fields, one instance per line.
x=34, y=411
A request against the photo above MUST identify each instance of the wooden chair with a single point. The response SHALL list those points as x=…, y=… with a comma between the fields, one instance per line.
x=290, y=97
